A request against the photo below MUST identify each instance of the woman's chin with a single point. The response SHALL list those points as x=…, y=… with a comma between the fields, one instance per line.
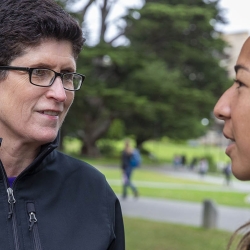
x=241, y=174
x=46, y=138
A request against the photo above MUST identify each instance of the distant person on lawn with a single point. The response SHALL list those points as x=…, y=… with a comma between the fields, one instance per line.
x=127, y=169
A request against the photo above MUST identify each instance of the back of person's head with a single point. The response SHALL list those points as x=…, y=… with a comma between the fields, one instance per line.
x=127, y=146
x=26, y=23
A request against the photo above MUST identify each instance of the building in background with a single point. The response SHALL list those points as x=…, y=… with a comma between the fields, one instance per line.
x=214, y=136
x=235, y=41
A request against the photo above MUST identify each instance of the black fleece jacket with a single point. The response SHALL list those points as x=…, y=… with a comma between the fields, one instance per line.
x=59, y=203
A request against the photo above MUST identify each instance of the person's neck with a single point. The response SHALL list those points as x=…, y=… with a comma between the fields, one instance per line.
x=16, y=157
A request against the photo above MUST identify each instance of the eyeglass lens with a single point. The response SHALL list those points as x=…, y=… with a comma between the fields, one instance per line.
x=45, y=77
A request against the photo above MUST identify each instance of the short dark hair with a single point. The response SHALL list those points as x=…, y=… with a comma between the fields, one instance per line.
x=26, y=23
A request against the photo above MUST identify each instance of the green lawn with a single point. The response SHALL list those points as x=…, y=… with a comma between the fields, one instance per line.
x=148, y=235
x=163, y=150
x=221, y=198
x=177, y=188
x=181, y=189
x=141, y=174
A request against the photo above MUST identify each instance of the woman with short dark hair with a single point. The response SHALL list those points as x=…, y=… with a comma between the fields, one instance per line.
x=48, y=200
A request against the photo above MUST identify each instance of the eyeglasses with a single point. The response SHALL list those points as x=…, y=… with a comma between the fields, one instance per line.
x=46, y=77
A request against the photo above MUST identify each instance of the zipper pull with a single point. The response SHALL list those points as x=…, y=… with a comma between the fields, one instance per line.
x=32, y=220
x=32, y=214
x=11, y=201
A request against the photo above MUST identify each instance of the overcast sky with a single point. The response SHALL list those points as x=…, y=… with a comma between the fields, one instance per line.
x=237, y=12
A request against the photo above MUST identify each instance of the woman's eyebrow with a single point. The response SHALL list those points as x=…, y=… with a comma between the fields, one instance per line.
x=238, y=67
x=49, y=66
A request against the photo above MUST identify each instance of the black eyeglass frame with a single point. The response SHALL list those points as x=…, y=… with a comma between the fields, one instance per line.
x=30, y=70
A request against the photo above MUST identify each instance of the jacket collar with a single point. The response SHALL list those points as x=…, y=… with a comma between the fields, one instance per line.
x=46, y=149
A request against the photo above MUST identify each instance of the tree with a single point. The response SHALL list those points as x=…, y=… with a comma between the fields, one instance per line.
x=182, y=35
x=161, y=84
x=103, y=97
x=184, y=39
x=101, y=100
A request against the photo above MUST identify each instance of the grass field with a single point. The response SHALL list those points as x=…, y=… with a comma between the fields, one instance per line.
x=149, y=235
x=162, y=151
x=170, y=187
x=165, y=151
x=180, y=189
x=143, y=234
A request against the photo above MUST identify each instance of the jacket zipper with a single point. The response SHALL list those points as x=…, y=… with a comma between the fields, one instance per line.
x=11, y=198
x=33, y=228
x=12, y=215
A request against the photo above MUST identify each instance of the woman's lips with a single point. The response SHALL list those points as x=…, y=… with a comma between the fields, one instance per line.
x=49, y=112
x=230, y=146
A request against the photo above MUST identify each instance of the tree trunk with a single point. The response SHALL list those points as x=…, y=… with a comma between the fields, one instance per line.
x=84, y=10
x=139, y=142
x=92, y=134
x=90, y=149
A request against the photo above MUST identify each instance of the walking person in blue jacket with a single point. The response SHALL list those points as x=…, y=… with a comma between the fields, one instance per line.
x=49, y=200
x=127, y=170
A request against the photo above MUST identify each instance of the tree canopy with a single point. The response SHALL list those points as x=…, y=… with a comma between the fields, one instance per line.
x=161, y=84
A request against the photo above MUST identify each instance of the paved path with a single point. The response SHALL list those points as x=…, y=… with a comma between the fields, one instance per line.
x=188, y=213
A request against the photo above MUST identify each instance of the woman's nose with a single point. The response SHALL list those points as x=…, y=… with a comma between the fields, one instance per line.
x=57, y=90
x=222, y=108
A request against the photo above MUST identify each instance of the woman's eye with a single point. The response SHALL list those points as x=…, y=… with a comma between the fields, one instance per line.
x=38, y=72
x=240, y=84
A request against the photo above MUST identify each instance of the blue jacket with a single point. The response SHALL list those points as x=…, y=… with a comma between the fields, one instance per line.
x=59, y=203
